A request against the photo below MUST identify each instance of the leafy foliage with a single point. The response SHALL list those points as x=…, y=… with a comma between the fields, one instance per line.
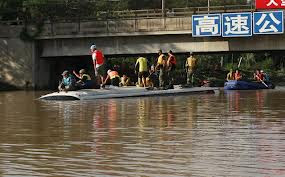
x=11, y=9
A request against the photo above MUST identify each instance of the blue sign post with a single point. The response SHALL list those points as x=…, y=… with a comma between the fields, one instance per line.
x=237, y=24
x=206, y=25
x=268, y=22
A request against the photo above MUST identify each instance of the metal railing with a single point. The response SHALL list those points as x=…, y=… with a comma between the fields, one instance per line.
x=174, y=12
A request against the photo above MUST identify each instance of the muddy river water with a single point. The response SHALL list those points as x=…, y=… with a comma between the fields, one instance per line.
x=237, y=133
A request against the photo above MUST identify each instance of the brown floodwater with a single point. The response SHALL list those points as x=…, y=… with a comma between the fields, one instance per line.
x=236, y=133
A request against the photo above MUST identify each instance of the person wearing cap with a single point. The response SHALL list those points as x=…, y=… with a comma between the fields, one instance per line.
x=161, y=67
x=258, y=76
x=114, y=77
x=141, y=64
x=85, y=81
x=99, y=63
x=191, y=66
x=171, y=65
x=266, y=76
x=67, y=82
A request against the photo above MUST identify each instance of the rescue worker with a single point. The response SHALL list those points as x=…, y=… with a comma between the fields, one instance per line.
x=161, y=66
x=266, y=76
x=67, y=83
x=114, y=77
x=191, y=66
x=230, y=75
x=171, y=65
x=152, y=79
x=85, y=81
x=141, y=64
x=98, y=63
x=258, y=76
x=125, y=81
x=238, y=75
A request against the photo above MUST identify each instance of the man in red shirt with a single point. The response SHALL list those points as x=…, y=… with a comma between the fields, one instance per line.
x=99, y=63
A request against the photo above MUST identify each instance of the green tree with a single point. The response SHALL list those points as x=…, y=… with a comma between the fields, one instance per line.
x=10, y=9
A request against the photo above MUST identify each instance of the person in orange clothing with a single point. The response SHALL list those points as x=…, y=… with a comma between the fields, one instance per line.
x=238, y=75
x=114, y=77
x=258, y=76
x=171, y=66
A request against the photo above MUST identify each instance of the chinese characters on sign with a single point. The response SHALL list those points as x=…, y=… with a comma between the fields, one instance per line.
x=270, y=4
x=238, y=24
x=206, y=25
x=268, y=22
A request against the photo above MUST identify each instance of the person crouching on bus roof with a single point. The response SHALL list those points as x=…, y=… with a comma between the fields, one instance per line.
x=67, y=82
x=85, y=81
x=114, y=77
x=152, y=79
x=125, y=81
x=99, y=64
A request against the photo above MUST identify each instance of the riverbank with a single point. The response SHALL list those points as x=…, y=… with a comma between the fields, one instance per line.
x=8, y=87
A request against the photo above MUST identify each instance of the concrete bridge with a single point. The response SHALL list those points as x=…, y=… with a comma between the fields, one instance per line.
x=142, y=36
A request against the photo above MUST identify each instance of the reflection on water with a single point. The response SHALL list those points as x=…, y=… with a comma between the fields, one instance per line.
x=236, y=133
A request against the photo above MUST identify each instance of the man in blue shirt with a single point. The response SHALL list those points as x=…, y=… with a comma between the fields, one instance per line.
x=67, y=83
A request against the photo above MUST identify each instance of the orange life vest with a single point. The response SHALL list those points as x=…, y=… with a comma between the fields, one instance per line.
x=172, y=59
x=260, y=76
x=237, y=76
x=113, y=74
x=160, y=59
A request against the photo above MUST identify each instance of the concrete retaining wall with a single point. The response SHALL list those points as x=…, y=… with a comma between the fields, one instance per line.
x=16, y=63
